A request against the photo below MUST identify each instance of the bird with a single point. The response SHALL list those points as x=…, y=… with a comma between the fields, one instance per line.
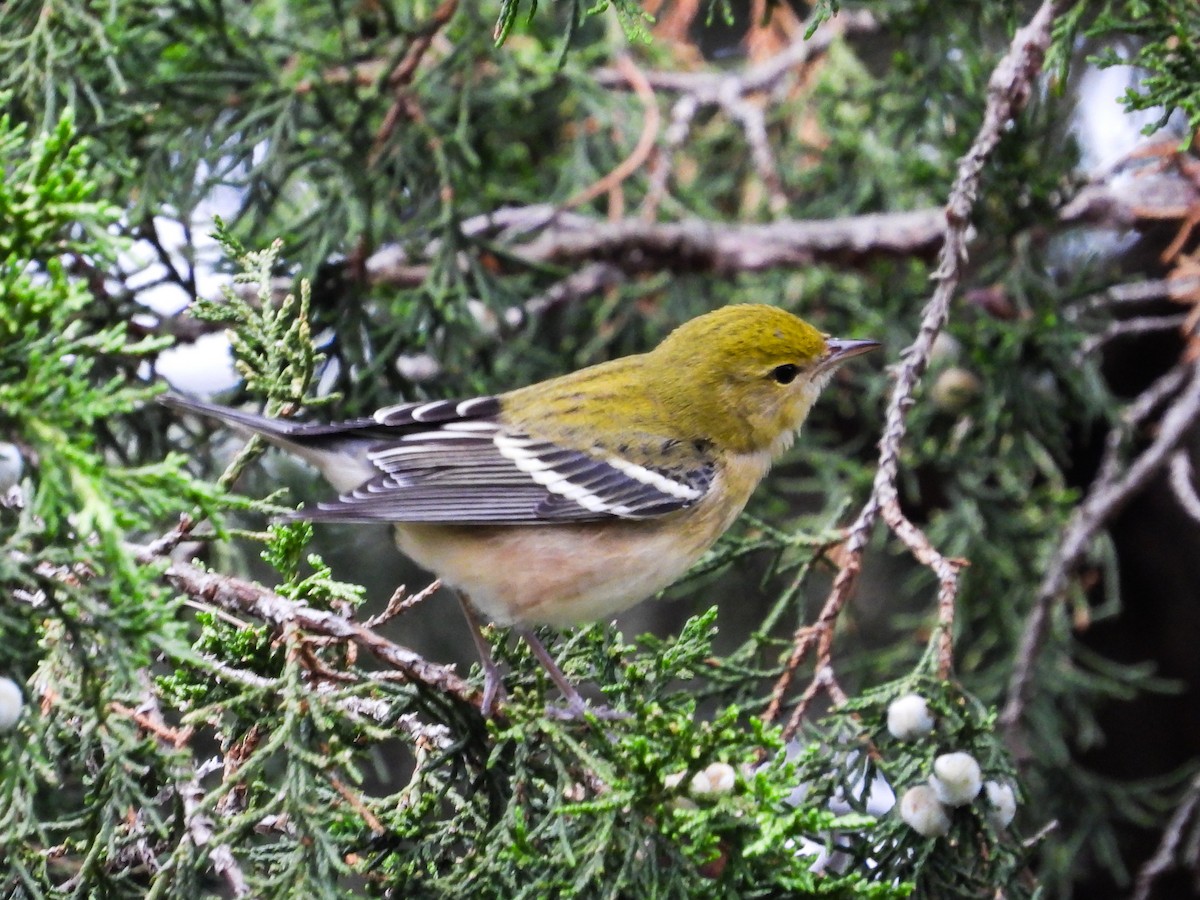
x=572, y=499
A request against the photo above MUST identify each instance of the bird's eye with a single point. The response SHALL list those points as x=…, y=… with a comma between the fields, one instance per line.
x=786, y=373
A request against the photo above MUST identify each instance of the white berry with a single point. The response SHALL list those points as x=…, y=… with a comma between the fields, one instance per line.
x=957, y=778
x=1002, y=804
x=923, y=812
x=717, y=778
x=12, y=464
x=11, y=703
x=908, y=717
x=954, y=389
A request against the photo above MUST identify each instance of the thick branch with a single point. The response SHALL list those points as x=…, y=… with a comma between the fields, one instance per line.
x=635, y=246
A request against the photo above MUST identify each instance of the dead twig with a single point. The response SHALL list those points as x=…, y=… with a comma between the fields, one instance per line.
x=1113, y=487
x=1164, y=857
x=401, y=602
x=645, y=143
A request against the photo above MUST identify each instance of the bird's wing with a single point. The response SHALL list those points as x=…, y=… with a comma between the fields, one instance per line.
x=453, y=461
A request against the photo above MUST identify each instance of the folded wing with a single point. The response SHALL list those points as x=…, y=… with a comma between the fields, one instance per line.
x=453, y=461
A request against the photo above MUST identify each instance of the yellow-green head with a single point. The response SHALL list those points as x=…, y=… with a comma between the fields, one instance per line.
x=746, y=374
x=741, y=379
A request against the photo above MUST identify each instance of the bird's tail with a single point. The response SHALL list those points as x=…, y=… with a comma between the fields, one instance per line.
x=338, y=450
x=279, y=431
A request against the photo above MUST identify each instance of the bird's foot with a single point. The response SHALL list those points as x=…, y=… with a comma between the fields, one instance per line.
x=493, y=689
x=576, y=709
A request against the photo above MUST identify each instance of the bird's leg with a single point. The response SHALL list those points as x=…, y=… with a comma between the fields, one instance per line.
x=493, y=685
x=576, y=706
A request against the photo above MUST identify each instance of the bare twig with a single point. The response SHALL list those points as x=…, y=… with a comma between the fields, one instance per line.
x=645, y=144
x=1183, y=484
x=1164, y=857
x=1009, y=89
x=1108, y=494
x=401, y=602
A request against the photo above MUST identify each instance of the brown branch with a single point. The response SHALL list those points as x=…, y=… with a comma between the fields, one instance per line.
x=695, y=245
x=400, y=76
x=356, y=803
x=238, y=595
x=151, y=721
x=635, y=246
x=1009, y=89
x=1107, y=496
x=823, y=679
x=422, y=40
x=602, y=254
x=543, y=233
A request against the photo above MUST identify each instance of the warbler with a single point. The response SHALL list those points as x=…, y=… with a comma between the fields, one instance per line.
x=572, y=499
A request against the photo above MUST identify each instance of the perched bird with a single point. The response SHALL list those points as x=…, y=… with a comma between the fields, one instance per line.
x=572, y=499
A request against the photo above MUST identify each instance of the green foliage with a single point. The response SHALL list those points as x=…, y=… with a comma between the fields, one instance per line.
x=1166, y=47
x=629, y=13
x=612, y=808
x=271, y=338
x=83, y=618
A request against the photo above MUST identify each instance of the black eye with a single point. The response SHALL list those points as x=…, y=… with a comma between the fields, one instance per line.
x=786, y=373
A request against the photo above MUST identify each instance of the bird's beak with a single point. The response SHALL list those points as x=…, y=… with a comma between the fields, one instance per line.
x=839, y=350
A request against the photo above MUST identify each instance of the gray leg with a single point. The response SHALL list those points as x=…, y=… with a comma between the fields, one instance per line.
x=575, y=703
x=493, y=686
x=576, y=707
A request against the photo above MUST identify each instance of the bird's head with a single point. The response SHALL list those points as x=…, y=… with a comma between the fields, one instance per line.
x=746, y=376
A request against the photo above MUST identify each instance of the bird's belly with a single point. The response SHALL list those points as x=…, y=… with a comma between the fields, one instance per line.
x=552, y=574
x=568, y=574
